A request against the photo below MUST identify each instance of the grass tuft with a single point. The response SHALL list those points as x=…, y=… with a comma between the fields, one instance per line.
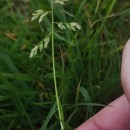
x=87, y=62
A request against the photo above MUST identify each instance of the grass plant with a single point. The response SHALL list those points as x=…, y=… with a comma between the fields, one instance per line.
x=87, y=62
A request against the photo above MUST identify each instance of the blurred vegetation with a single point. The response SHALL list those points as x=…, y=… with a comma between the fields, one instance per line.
x=87, y=62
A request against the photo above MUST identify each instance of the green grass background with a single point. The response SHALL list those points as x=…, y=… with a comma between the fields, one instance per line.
x=87, y=62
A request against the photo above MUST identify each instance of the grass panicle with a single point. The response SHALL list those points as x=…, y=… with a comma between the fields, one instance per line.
x=86, y=62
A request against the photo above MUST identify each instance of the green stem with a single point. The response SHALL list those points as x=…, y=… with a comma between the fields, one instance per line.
x=60, y=112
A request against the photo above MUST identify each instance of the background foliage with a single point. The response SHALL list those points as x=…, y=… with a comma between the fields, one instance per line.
x=87, y=62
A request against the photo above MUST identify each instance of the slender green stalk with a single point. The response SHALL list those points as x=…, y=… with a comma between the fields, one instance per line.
x=54, y=73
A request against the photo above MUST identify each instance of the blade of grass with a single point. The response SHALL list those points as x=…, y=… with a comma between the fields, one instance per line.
x=48, y=118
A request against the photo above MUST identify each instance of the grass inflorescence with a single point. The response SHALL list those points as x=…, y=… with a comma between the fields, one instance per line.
x=87, y=61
